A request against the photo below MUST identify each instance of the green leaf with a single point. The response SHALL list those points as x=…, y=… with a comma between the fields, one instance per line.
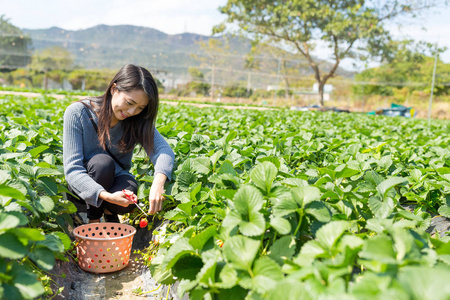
x=319, y=210
x=282, y=249
x=381, y=209
x=185, y=179
x=305, y=194
x=263, y=176
x=179, y=249
x=187, y=266
x=228, y=277
x=199, y=240
x=266, y=273
x=286, y=206
x=376, y=286
x=227, y=168
x=207, y=274
x=241, y=251
x=11, y=192
x=65, y=239
x=201, y=165
x=47, y=172
x=346, y=172
x=328, y=234
x=309, y=251
x=379, y=249
x=444, y=210
x=425, y=282
x=27, y=170
x=27, y=284
x=235, y=293
x=4, y=176
x=194, y=189
x=11, y=220
x=294, y=182
x=32, y=234
x=247, y=203
x=52, y=242
x=44, y=204
x=43, y=257
x=386, y=185
x=289, y=289
x=48, y=185
x=11, y=247
x=281, y=225
x=216, y=156
x=271, y=159
x=39, y=149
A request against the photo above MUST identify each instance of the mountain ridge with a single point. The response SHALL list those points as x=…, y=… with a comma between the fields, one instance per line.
x=112, y=46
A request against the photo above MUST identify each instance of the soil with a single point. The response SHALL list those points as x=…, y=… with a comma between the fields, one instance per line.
x=124, y=284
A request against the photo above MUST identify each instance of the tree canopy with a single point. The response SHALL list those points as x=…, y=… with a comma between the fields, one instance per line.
x=14, y=46
x=408, y=66
x=52, y=58
x=349, y=29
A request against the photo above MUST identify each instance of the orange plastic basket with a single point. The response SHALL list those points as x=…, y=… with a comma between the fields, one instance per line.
x=103, y=247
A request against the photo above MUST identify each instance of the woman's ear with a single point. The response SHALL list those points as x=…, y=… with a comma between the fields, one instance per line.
x=113, y=88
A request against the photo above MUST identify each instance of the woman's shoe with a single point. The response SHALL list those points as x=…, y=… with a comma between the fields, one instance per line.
x=111, y=218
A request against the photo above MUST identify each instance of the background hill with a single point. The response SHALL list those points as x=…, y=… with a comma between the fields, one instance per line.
x=111, y=47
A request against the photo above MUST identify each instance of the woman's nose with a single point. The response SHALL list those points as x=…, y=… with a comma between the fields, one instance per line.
x=131, y=111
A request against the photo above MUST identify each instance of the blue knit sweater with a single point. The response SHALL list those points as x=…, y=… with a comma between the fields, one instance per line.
x=80, y=144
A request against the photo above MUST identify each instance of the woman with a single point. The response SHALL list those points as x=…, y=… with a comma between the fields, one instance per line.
x=99, y=137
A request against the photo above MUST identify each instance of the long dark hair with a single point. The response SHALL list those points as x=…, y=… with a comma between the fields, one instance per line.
x=139, y=128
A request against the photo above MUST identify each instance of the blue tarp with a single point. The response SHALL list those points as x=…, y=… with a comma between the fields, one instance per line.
x=394, y=111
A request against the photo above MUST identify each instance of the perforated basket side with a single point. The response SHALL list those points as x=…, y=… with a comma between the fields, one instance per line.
x=104, y=247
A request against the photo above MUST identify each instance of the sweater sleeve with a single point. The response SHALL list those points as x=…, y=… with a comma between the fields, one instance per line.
x=162, y=156
x=73, y=157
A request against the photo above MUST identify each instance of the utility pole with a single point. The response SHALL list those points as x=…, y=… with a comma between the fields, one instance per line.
x=276, y=88
x=432, y=84
x=213, y=68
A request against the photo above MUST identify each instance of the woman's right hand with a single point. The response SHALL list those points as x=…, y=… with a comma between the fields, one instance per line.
x=118, y=198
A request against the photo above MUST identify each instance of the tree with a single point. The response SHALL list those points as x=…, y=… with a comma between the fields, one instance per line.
x=286, y=65
x=197, y=85
x=350, y=28
x=52, y=58
x=214, y=50
x=408, y=66
x=14, y=46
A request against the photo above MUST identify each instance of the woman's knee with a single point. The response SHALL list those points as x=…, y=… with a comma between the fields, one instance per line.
x=101, y=168
x=102, y=162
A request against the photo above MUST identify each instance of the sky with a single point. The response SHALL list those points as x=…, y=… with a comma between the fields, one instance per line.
x=179, y=16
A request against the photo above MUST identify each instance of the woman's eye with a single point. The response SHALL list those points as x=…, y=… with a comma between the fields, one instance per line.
x=129, y=103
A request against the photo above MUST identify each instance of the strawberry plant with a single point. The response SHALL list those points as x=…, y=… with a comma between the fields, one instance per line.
x=33, y=216
x=289, y=205
x=263, y=205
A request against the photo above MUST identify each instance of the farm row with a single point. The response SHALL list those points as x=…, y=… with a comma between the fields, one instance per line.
x=264, y=205
x=286, y=205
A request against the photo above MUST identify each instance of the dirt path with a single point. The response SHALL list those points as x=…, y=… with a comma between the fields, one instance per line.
x=120, y=285
x=57, y=96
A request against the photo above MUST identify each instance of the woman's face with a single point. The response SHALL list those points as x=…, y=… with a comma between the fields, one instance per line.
x=126, y=104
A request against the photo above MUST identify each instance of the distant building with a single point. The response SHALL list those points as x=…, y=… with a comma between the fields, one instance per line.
x=169, y=80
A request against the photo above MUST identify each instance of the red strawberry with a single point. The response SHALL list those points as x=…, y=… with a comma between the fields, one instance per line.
x=143, y=223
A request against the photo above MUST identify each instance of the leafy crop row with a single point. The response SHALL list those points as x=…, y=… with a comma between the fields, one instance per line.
x=266, y=205
x=33, y=216
x=288, y=205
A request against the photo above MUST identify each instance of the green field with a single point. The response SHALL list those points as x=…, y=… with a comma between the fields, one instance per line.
x=266, y=205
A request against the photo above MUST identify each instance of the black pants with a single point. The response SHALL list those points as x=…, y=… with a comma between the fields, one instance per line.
x=101, y=168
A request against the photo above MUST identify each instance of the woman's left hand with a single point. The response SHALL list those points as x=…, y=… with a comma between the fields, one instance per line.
x=155, y=199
